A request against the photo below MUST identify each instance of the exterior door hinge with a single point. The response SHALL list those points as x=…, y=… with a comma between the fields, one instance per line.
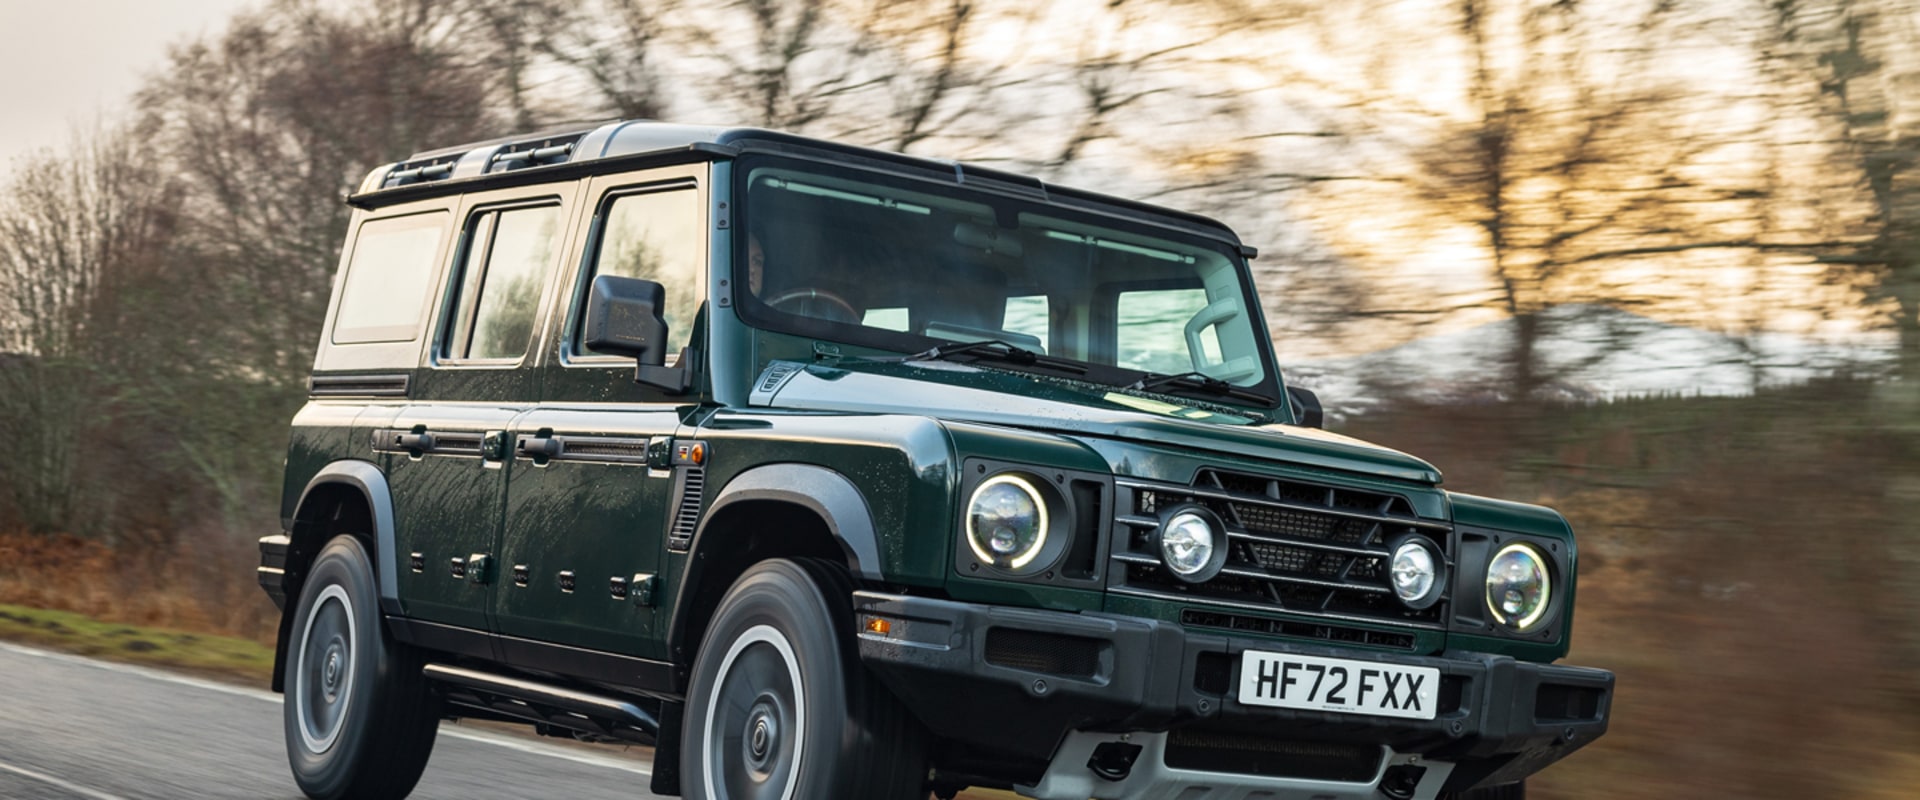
x=642, y=588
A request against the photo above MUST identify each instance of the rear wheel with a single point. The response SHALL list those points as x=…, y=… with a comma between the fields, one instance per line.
x=780, y=707
x=360, y=720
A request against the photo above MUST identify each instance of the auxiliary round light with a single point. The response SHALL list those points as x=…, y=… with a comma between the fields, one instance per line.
x=1192, y=542
x=1007, y=521
x=1186, y=543
x=1519, y=587
x=1416, y=573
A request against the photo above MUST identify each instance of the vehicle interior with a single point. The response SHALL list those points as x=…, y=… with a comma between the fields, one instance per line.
x=876, y=260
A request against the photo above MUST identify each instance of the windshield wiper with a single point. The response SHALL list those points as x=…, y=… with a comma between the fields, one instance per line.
x=984, y=350
x=1196, y=382
x=1012, y=354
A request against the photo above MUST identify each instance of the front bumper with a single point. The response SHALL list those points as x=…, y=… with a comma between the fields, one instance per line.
x=1022, y=681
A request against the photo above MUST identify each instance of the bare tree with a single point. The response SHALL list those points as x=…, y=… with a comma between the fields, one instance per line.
x=73, y=232
x=267, y=129
x=1581, y=149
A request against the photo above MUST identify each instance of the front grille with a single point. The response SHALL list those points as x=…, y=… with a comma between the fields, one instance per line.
x=1292, y=546
x=1240, y=754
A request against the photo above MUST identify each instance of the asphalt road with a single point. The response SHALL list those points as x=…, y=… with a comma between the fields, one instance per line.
x=76, y=729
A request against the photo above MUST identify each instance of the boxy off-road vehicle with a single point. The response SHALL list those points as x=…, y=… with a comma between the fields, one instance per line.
x=839, y=474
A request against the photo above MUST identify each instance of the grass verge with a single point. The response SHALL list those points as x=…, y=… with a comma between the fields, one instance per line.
x=219, y=657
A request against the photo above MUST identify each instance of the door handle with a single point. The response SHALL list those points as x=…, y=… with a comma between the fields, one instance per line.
x=413, y=441
x=543, y=446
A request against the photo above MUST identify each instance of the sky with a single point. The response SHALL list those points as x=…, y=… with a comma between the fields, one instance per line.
x=69, y=61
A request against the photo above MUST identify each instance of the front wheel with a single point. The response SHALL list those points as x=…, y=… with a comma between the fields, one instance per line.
x=780, y=707
x=360, y=719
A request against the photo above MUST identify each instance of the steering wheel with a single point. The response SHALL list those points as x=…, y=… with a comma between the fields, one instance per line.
x=816, y=303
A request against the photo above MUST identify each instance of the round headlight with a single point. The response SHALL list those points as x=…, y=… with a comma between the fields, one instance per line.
x=1416, y=573
x=1519, y=588
x=1006, y=522
x=1186, y=543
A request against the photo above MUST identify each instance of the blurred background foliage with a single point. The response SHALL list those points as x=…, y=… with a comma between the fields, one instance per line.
x=1653, y=262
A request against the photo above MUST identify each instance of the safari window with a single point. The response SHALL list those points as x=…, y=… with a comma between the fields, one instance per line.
x=388, y=280
x=497, y=300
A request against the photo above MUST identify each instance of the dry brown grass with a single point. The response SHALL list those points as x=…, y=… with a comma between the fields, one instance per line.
x=204, y=585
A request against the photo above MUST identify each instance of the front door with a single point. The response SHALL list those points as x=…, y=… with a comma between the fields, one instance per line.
x=591, y=493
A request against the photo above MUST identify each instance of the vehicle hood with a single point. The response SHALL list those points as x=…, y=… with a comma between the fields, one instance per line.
x=980, y=394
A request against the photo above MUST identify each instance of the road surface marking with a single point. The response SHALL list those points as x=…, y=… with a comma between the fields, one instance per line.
x=643, y=767
x=53, y=781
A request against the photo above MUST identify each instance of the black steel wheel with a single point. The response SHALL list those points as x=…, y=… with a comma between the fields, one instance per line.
x=360, y=718
x=780, y=707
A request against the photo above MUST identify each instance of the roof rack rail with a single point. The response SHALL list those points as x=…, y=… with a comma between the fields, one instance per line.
x=535, y=153
x=427, y=169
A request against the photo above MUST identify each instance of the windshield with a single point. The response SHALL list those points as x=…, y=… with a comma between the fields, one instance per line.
x=889, y=263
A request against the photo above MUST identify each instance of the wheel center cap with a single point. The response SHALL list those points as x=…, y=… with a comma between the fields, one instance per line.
x=763, y=736
x=331, y=673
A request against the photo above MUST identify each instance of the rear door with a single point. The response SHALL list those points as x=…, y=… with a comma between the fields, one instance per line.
x=591, y=492
x=448, y=466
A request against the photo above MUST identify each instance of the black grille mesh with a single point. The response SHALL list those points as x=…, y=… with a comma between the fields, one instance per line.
x=1294, y=546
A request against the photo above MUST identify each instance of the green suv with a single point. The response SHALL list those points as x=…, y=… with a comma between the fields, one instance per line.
x=834, y=473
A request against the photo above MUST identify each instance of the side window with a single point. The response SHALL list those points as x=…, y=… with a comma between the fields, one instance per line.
x=1153, y=331
x=497, y=294
x=388, y=280
x=657, y=236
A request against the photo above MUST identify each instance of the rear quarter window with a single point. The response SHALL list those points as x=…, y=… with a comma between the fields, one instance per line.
x=389, y=279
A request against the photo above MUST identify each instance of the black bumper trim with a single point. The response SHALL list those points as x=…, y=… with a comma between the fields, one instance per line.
x=272, y=572
x=1155, y=676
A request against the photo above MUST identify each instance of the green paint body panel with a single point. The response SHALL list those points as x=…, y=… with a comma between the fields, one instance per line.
x=900, y=433
x=902, y=466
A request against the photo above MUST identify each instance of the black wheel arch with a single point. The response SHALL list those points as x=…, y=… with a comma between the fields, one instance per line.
x=771, y=511
x=346, y=496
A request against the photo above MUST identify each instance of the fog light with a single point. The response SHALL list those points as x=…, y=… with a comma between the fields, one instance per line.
x=1192, y=543
x=1416, y=572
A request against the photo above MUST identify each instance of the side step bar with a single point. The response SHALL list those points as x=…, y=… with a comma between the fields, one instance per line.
x=543, y=704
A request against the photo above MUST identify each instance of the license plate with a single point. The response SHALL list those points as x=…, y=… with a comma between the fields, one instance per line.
x=1337, y=684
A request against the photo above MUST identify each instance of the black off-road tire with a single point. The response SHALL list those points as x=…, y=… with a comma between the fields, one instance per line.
x=360, y=717
x=1511, y=791
x=780, y=707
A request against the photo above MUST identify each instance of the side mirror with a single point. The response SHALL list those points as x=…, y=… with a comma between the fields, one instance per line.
x=623, y=318
x=1306, y=407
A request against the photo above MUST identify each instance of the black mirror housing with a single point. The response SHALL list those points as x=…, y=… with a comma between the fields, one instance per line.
x=623, y=317
x=1306, y=407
